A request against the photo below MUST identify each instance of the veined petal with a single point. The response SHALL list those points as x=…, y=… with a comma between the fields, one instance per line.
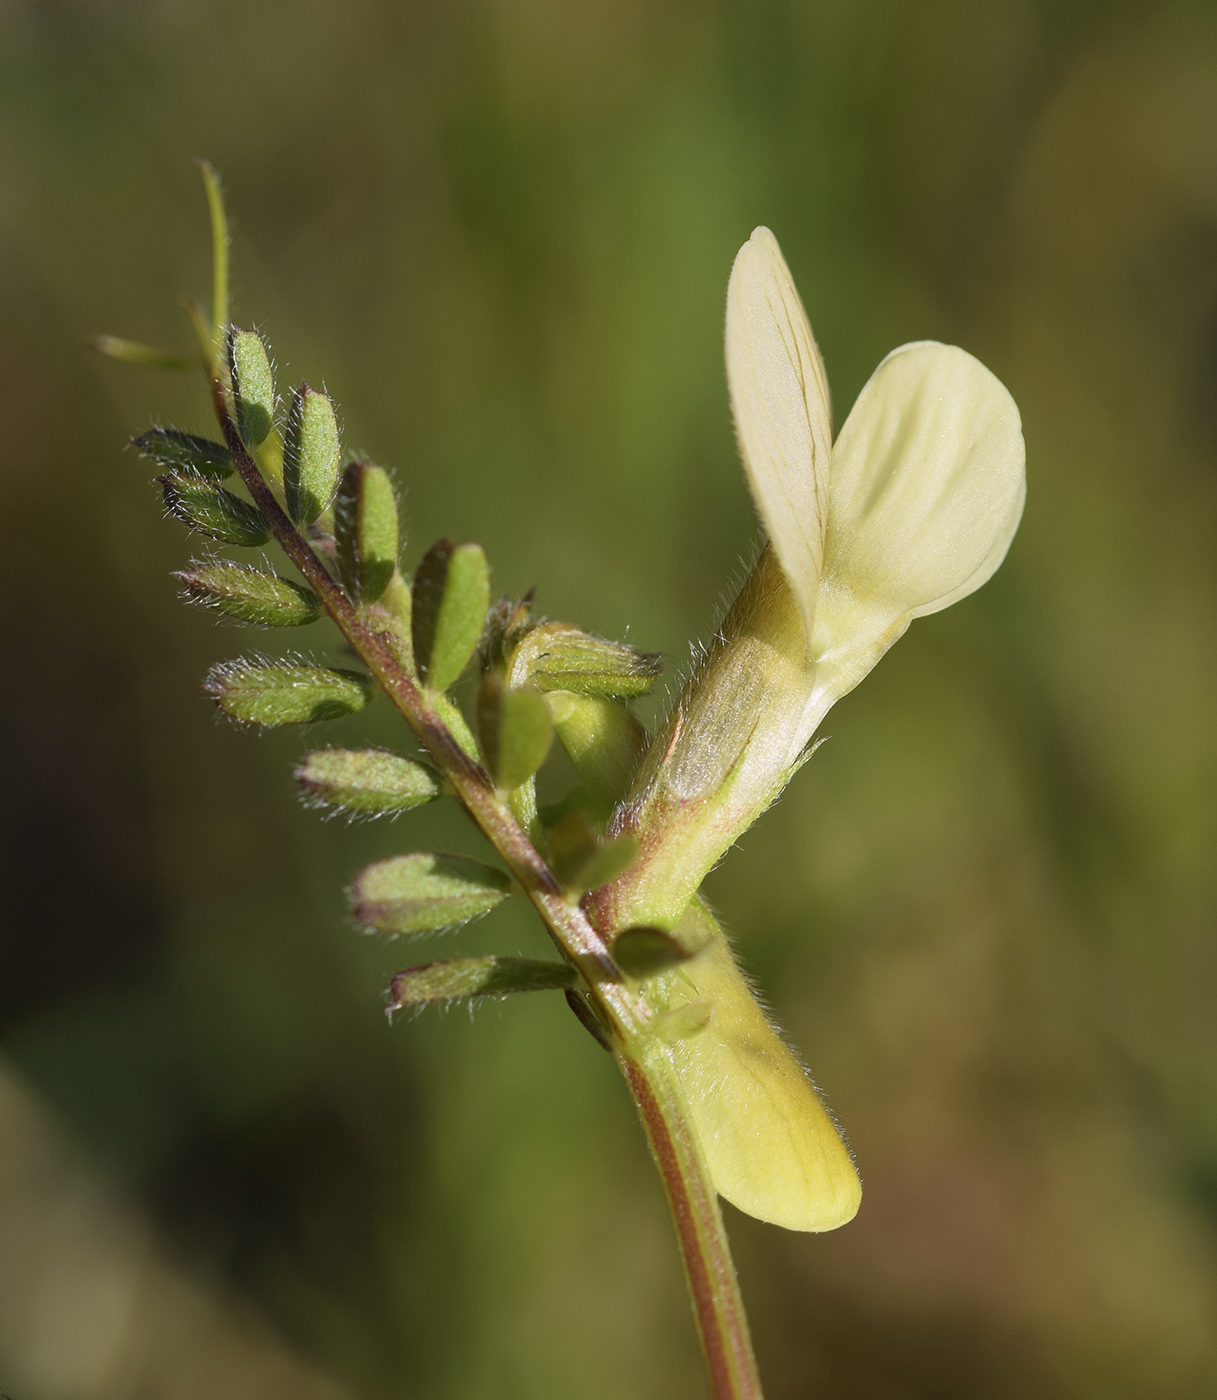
x=779, y=397
x=926, y=491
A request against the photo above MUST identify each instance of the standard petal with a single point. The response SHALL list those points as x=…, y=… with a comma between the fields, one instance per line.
x=779, y=397
x=926, y=491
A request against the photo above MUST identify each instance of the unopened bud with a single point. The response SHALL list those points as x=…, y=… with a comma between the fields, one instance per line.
x=420, y=892
x=465, y=978
x=249, y=595
x=514, y=730
x=253, y=384
x=370, y=781
x=557, y=656
x=646, y=952
x=172, y=450
x=213, y=511
x=311, y=456
x=604, y=740
x=365, y=530
x=286, y=692
x=581, y=860
x=450, y=599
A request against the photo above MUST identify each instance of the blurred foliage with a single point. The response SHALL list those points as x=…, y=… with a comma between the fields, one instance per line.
x=500, y=235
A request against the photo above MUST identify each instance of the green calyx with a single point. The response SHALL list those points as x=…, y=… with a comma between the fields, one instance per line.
x=422, y=892
x=250, y=595
x=367, y=782
x=273, y=693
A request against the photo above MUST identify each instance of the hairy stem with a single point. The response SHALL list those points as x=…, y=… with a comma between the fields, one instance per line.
x=718, y=1306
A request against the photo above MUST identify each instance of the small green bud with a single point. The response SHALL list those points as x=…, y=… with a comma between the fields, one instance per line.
x=419, y=893
x=311, y=455
x=253, y=384
x=365, y=530
x=283, y=692
x=451, y=596
x=514, y=730
x=645, y=952
x=249, y=595
x=604, y=740
x=211, y=510
x=581, y=859
x=172, y=450
x=465, y=978
x=559, y=657
x=366, y=780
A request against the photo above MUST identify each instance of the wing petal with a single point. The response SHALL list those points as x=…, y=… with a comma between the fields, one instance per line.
x=926, y=491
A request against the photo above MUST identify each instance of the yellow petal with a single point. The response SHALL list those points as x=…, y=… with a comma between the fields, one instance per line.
x=772, y=1148
x=779, y=397
x=925, y=493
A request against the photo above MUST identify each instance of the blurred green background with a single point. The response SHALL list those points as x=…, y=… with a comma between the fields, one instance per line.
x=500, y=234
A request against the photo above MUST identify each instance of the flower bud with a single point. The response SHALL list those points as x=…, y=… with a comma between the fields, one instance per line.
x=514, y=731
x=253, y=384
x=465, y=978
x=420, y=892
x=311, y=456
x=249, y=595
x=172, y=450
x=367, y=781
x=451, y=596
x=211, y=510
x=365, y=531
x=286, y=692
x=556, y=656
x=603, y=739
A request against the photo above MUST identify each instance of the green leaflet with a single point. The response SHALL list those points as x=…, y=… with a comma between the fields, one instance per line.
x=271, y=693
x=366, y=780
x=421, y=892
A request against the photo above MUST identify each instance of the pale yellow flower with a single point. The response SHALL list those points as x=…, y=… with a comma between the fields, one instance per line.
x=910, y=510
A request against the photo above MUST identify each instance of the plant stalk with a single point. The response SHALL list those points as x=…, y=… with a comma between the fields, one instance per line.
x=718, y=1305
